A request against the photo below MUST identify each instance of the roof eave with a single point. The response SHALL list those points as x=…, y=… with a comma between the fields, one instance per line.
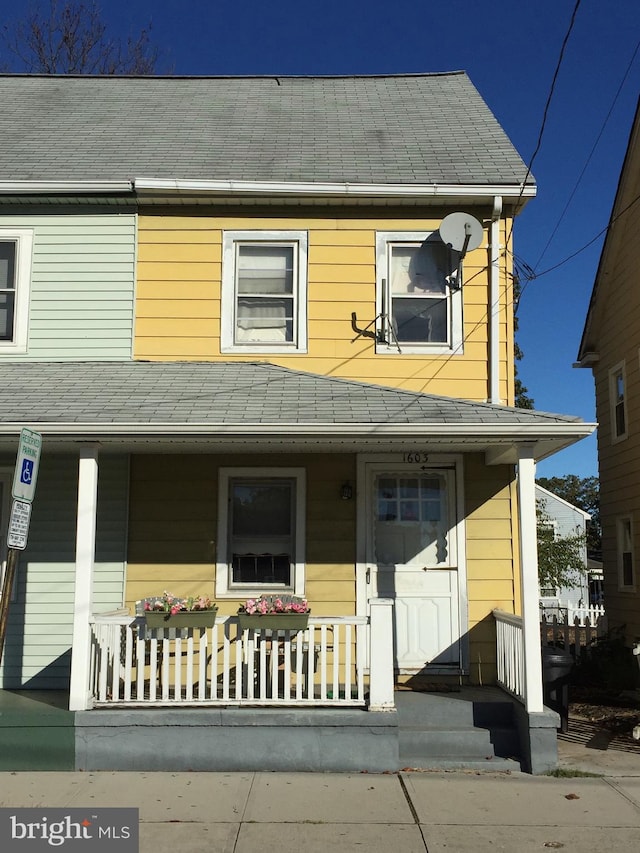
x=64, y=187
x=166, y=190
x=499, y=442
x=480, y=193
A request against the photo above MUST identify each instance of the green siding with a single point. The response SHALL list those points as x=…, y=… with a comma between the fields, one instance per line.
x=82, y=286
x=37, y=648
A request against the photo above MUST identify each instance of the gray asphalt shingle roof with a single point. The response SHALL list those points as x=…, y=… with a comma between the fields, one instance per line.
x=413, y=129
x=226, y=393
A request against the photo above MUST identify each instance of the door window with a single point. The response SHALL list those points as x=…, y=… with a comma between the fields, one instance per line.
x=412, y=520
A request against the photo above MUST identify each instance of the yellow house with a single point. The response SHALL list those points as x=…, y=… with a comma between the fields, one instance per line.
x=609, y=347
x=318, y=400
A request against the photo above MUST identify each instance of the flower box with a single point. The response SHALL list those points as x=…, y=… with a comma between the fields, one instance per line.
x=273, y=621
x=182, y=619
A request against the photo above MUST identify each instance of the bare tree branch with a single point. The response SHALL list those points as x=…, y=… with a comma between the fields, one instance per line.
x=70, y=37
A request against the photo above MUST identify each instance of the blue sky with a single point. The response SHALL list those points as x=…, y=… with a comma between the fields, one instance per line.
x=510, y=49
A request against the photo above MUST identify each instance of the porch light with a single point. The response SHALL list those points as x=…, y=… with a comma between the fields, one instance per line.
x=346, y=491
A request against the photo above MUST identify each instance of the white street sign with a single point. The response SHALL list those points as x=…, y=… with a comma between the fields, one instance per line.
x=19, y=525
x=28, y=459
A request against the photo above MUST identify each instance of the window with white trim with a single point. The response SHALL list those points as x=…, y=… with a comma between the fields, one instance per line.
x=419, y=298
x=626, y=563
x=261, y=531
x=15, y=281
x=617, y=401
x=547, y=528
x=264, y=291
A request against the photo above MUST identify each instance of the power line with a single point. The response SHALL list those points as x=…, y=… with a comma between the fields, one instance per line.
x=593, y=240
x=591, y=153
x=546, y=109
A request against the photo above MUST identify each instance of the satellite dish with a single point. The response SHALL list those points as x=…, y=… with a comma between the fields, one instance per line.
x=462, y=232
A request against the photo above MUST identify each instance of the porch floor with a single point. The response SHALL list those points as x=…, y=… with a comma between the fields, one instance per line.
x=33, y=702
x=37, y=731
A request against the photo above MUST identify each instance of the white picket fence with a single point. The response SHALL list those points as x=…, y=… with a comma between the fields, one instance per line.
x=572, y=610
x=573, y=634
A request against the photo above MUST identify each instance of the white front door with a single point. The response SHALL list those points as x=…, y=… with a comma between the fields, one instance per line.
x=413, y=559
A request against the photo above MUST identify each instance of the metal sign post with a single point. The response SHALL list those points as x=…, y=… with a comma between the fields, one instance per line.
x=24, y=487
x=7, y=586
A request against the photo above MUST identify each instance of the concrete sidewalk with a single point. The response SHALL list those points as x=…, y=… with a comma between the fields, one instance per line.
x=286, y=812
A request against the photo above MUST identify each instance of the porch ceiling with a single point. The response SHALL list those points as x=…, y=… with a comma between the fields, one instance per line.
x=156, y=407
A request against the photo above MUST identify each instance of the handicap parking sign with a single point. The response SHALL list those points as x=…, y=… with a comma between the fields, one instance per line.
x=26, y=472
x=26, y=475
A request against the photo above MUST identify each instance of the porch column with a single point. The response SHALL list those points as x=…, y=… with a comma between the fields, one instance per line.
x=85, y=558
x=381, y=696
x=529, y=579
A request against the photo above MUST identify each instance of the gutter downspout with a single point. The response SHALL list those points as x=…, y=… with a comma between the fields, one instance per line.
x=494, y=301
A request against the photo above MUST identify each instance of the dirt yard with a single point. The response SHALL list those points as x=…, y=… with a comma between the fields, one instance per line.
x=614, y=714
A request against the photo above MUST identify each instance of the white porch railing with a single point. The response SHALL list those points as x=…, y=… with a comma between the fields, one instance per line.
x=135, y=666
x=510, y=653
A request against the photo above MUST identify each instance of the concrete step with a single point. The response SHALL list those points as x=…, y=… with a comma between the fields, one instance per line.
x=481, y=743
x=463, y=762
x=469, y=729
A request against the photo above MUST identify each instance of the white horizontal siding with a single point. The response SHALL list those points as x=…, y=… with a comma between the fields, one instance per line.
x=37, y=649
x=569, y=519
x=81, y=303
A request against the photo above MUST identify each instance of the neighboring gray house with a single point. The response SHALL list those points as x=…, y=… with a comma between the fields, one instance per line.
x=569, y=520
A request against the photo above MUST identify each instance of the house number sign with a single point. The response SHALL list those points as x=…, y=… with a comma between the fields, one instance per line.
x=415, y=456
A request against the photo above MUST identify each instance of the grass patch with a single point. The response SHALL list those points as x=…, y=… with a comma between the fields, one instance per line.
x=568, y=773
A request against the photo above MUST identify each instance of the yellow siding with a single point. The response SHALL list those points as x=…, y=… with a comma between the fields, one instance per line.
x=614, y=334
x=491, y=560
x=179, y=287
x=173, y=528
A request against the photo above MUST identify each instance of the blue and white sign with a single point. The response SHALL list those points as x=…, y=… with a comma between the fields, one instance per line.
x=28, y=459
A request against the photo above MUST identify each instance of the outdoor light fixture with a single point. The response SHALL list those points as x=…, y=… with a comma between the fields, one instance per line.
x=346, y=491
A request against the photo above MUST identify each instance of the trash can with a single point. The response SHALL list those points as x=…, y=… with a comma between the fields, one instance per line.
x=556, y=671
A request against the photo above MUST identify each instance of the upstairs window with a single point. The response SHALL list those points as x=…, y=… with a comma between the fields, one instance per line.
x=419, y=301
x=264, y=292
x=15, y=274
x=626, y=567
x=617, y=396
